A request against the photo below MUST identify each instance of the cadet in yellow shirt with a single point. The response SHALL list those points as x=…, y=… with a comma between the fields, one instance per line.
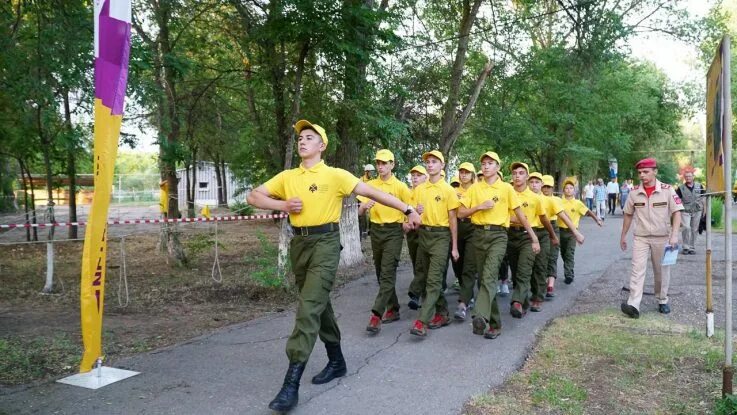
x=575, y=209
x=439, y=203
x=465, y=268
x=386, y=240
x=519, y=251
x=417, y=286
x=490, y=203
x=313, y=195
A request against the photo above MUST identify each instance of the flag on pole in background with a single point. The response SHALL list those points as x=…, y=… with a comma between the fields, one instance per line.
x=112, y=48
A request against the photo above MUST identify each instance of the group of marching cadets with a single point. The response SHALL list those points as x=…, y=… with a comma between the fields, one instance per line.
x=484, y=225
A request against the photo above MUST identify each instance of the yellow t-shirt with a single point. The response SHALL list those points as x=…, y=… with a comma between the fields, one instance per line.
x=533, y=205
x=555, y=206
x=321, y=189
x=436, y=199
x=575, y=210
x=460, y=191
x=504, y=197
x=383, y=214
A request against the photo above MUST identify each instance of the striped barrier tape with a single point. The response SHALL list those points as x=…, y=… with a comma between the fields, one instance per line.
x=142, y=221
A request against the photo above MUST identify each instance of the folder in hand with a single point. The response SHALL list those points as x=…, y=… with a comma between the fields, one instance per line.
x=670, y=256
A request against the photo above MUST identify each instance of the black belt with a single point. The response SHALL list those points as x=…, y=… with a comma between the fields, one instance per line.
x=434, y=228
x=387, y=225
x=566, y=230
x=490, y=227
x=314, y=230
x=464, y=220
x=517, y=229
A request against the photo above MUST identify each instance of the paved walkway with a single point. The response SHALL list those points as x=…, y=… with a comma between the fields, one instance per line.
x=238, y=369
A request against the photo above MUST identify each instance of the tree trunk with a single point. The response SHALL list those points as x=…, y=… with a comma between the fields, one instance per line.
x=71, y=167
x=218, y=180
x=26, y=203
x=188, y=185
x=224, y=176
x=350, y=236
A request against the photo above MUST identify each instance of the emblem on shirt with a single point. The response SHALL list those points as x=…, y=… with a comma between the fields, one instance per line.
x=495, y=199
x=313, y=188
x=524, y=204
x=438, y=198
x=677, y=199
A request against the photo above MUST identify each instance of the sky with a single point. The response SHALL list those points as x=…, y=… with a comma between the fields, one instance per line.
x=677, y=59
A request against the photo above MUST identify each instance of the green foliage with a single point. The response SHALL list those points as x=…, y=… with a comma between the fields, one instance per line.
x=200, y=242
x=241, y=208
x=717, y=212
x=726, y=405
x=265, y=263
x=24, y=360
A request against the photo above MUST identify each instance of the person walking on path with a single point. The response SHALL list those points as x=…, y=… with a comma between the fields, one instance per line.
x=313, y=196
x=490, y=203
x=624, y=192
x=575, y=209
x=612, y=190
x=588, y=194
x=439, y=204
x=657, y=209
x=465, y=267
x=693, y=209
x=520, y=251
x=600, y=197
x=416, y=287
x=556, y=211
x=386, y=240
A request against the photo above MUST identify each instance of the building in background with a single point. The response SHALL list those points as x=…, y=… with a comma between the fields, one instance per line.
x=206, y=185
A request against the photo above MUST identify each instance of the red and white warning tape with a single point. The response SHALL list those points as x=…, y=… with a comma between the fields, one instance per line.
x=139, y=221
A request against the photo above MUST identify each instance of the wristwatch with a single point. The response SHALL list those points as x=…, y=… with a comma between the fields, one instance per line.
x=409, y=210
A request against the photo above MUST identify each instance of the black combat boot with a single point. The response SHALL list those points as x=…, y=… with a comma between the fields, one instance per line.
x=288, y=396
x=336, y=365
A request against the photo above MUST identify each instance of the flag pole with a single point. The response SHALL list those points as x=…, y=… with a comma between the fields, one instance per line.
x=728, y=371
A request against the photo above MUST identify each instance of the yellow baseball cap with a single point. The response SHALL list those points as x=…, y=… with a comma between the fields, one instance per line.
x=519, y=164
x=419, y=169
x=492, y=155
x=467, y=167
x=435, y=153
x=384, y=155
x=302, y=124
x=535, y=175
x=569, y=181
x=548, y=180
x=455, y=179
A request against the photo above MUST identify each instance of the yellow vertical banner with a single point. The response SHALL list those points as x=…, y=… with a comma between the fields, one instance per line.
x=112, y=48
x=715, y=125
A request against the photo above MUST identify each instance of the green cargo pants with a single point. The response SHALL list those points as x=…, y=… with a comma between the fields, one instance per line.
x=568, y=251
x=539, y=282
x=386, y=244
x=465, y=267
x=489, y=245
x=521, y=259
x=432, y=258
x=314, y=261
x=416, y=287
x=554, y=251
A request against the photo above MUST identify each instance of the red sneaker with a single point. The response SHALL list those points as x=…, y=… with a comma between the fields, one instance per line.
x=438, y=321
x=389, y=316
x=517, y=311
x=418, y=329
x=374, y=324
x=550, y=293
x=536, y=306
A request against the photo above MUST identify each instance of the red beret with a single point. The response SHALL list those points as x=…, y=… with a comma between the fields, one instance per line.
x=646, y=163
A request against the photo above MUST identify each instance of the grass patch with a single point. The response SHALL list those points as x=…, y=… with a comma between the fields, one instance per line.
x=605, y=363
x=24, y=360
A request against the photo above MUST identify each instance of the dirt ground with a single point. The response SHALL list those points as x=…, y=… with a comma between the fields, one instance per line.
x=166, y=304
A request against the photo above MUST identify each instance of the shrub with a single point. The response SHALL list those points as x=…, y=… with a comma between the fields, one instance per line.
x=717, y=211
x=241, y=208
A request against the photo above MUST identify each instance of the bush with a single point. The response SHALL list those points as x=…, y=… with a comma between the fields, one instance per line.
x=726, y=405
x=717, y=211
x=266, y=263
x=241, y=208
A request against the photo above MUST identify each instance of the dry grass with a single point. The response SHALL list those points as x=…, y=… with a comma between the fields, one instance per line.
x=604, y=363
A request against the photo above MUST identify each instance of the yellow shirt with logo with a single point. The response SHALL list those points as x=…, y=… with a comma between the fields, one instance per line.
x=320, y=188
x=575, y=210
x=555, y=206
x=383, y=214
x=504, y=197
x=533, y=205
x=436, y=200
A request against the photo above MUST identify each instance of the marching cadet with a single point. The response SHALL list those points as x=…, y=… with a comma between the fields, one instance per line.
x=520, y=252
x=490, y=203
x=465, y=267
x=386, y=240
x=416, y=287
x=657, y=208
x=556, y=210
x=439, y=204
x=575, y=209
x=313, y=195
x=547, y=239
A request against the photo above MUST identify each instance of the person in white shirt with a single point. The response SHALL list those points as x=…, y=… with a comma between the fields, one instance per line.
x=588, y=194
x=612, y=190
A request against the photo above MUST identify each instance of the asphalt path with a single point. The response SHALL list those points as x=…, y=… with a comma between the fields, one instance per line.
x=239, y=369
